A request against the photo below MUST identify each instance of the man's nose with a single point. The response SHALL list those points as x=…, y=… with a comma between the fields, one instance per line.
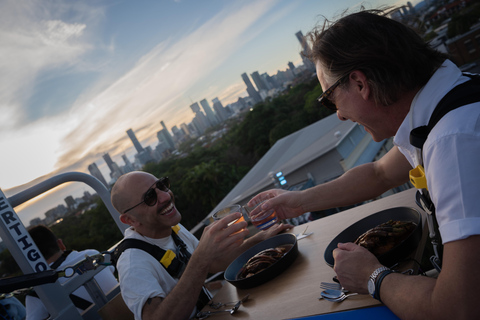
x=340, y=117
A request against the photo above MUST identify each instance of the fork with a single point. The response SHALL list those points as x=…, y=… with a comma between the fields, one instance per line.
x=334, y=286
x=340, y=298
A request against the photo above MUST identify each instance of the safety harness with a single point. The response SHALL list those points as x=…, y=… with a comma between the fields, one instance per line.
x=174, y=262
x=463, y=94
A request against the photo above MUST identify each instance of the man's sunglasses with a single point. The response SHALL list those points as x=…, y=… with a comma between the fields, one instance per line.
x=323, y=98
x=150, y=197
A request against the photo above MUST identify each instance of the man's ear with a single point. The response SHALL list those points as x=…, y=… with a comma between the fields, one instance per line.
x=127, y=219
x=361, y=84
x=60, y=244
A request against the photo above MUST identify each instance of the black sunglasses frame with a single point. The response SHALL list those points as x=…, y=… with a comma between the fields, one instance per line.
x=150, y=197
x=323, y=98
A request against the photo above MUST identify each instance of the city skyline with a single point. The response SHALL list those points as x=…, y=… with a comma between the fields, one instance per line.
x=76, y=76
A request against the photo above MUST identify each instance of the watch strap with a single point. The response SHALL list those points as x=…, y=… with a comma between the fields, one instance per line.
x=378, y=283
x=373, y=278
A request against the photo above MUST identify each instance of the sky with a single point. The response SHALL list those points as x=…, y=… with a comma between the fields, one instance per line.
x=76, y=75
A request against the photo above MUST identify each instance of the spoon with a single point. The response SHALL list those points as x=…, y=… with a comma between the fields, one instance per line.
x=336, y=295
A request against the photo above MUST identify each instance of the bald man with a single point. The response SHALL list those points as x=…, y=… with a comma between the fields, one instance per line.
x=150, y=289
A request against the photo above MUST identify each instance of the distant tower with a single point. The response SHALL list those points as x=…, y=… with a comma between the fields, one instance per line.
x=115, y=171
x=291, y=66
x=261, y=85
x=251, y=90
x=167, y=137
x=134, y=139
x=222, y=113
x=305, y=51
x=200, y=121
x=208, y=111
x=94, y=171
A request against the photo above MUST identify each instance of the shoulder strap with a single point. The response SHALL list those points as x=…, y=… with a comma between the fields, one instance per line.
x=463, y=94
x=175, y=265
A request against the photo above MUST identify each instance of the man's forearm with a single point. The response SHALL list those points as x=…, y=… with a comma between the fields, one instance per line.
x=179, y=303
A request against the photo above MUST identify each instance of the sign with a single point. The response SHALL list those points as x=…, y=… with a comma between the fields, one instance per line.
x=17, y=239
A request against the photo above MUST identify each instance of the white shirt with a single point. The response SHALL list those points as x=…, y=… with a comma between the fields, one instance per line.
x=36, y=310
x=142, y=276
x=451, y=155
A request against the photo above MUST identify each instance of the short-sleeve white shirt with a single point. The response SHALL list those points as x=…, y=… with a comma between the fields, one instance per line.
x=451, y=155
x=142, y=276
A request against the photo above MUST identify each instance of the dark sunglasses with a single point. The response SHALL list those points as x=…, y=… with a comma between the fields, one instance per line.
x=323, y=98
x=150, y=197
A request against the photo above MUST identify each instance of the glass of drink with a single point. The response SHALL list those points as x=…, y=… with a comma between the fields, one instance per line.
x=222, y=213
x=262, y=219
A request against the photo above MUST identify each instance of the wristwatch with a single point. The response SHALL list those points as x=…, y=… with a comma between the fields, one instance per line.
x=373, y=278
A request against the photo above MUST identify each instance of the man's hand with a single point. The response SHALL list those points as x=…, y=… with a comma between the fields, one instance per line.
x=270, y=232
x=354, y=264
x=287, y=204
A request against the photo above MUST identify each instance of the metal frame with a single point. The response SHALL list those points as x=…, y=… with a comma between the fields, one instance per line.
x=55, y=296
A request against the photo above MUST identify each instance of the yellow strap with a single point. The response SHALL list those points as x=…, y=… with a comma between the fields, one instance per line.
x=167, y=258
x=176, y=228
x=418, y=178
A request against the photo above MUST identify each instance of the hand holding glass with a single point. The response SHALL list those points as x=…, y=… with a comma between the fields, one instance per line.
x=222, y=213
x=262, y=219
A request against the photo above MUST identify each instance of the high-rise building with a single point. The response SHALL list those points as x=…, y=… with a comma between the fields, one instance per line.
x=251, y=90
x=167, y=137
x=164, y=137
x=128, y=165
x=115, y=171
x=222, y=113
x=134, y=139
x=94, y=171
x=195, y=107
x=208, y=112
x=261, y=85
x=305, y=51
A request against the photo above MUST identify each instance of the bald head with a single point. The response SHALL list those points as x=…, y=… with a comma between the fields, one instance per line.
x=125, y=191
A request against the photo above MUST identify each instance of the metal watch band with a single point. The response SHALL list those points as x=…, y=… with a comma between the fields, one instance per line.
x=375, y=273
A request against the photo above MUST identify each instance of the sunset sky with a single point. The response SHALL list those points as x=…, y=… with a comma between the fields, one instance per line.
x=76, y=75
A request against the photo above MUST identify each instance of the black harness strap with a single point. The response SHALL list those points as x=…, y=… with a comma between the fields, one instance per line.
x=174, y=267
x=461, y=95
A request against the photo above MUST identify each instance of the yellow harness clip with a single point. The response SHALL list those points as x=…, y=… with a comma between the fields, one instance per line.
x=167, y=258
x=418, y=178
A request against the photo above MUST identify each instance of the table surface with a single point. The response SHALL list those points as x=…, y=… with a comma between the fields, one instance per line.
x=294, y=293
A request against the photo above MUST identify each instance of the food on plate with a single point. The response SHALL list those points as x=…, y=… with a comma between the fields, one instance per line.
x=261, y=261
x=385, y=236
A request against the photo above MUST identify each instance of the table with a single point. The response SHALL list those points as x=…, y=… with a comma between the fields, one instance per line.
x=294, y=293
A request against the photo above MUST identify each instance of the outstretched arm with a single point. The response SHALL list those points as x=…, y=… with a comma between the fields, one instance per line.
x=361, y=183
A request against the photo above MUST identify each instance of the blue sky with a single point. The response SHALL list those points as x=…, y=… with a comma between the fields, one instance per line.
x=76, y=75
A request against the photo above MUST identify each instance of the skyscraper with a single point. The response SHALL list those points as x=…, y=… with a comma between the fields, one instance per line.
x=115, y=171
x=251, y=90
x=94, y=171
x=261, y=85
x=134, y=139
x=166, y=136
x=200, y=121
x=222, y=113
x=305, y=51
x=208, y=111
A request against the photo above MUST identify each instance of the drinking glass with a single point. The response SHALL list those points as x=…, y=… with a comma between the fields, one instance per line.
x=227, y=211
x=262, y=219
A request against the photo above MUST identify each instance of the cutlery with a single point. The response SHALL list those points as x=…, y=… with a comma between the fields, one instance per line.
x=336, y=295
x=218, y=305
x=303, y=234
x=334, y=286
x=206, y=314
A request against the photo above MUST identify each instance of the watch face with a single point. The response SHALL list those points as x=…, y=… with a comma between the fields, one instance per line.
x=371, y=287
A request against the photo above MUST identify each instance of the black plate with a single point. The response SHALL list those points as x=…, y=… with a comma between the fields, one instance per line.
x=269, y=273
x=399, y=252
